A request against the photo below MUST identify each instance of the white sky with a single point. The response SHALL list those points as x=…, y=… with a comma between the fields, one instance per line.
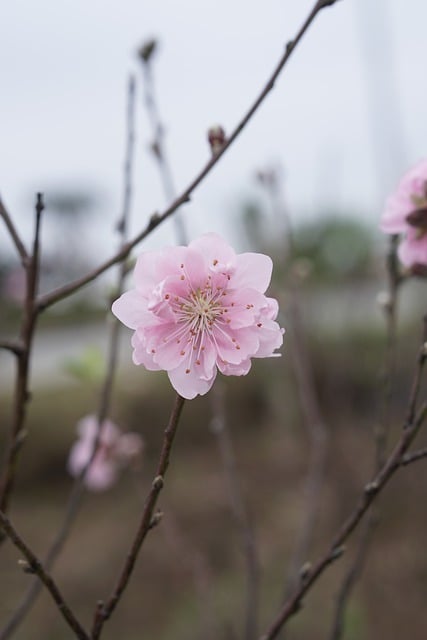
x=63, y=75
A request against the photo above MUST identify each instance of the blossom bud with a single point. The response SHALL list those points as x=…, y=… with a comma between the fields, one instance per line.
x=147, y=49
x=217, y=138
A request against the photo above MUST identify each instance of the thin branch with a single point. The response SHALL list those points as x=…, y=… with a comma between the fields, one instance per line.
x=14, y=346
x=314, y=423
x=48, y=299
x=239, y=511
x=382, y=430
x=36, y=567
x=22, y=395
x=336, y=549
x=78, y=490
x=352, y=577
x=104, y=611
x=158, y=145
x=413, y=456
x=19, y=245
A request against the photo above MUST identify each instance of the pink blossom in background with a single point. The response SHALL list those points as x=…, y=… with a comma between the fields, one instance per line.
x=200, y=308
x=115, y=450
x=406, y=213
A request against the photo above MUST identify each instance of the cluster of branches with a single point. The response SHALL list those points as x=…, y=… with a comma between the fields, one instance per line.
x=302, y=575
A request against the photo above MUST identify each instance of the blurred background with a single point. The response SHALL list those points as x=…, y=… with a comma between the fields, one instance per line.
x=343, y=122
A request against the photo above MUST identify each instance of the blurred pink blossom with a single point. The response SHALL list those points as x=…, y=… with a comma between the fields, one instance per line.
x=115, y=450
x=198, y=308
x=406, y=213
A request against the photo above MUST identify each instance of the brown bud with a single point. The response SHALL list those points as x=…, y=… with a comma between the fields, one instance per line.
x=217, y=138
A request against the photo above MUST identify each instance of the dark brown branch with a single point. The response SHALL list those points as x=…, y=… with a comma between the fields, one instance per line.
x=48, y=299
x=14, y=234
x=104, y=611
x=35, y=566
x=352, y=577
x=14, y=346
x=371, y=491
x=77, y=492
x=22, y=394
x=381, y=435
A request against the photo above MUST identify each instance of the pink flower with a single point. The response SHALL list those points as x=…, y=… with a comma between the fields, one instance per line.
x=115, y=449
x=406, y=213
x=200, y=308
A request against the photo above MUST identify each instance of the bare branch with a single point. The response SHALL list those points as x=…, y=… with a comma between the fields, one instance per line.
x=381, y=435
x=78, y=490
x=22, y=394
x=14, y=346
x=158, y=145
x=156, y=219
x=35, y=566
x=104, y=611
x=371, y=491
x=14, y=235
x=413, y=456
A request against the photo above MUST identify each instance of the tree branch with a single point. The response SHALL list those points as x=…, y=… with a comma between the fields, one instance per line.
x=22, y=394
x=19, y=245
x=156, y=219
x=104, y=611
x=371, y=491
x=77, y=491
x=35, y=566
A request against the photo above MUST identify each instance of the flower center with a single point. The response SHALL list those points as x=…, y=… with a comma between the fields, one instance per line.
x=202, y=309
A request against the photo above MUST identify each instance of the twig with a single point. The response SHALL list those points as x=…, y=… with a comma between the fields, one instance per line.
x=77, y=491
x=309, y=403
x=35, y=566
x=351, y=578
x=381, y=433
x=413, y=456
x=371, y=491
x=158, y=144
x=239, y=511
x=48, y=299
x=22, y=394
x=14, y=346
x=104, y=611
x=14, y=235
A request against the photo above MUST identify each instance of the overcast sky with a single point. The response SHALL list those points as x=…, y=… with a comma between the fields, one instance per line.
x=345, y=118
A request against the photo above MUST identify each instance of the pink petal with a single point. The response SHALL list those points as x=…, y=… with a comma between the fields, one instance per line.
x=131, y=309
x=189, y=385
x=141, y=356
x=253, y=271
x=101, y=476
x=235, y=346
x=215, y=251
x=235, y=369
x=270, y=337
x=413, y=251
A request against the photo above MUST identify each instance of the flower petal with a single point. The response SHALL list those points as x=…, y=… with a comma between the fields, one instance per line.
x=189, y=385
x=253, y=271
